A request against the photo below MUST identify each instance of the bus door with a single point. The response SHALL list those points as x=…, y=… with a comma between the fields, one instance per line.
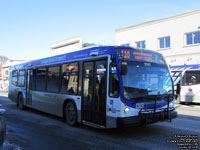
x=94, y=92
x=29, y=79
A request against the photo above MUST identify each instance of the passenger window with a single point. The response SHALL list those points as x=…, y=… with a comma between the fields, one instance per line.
x=53, y=80
x=69, y=78
x=21, y=78
x=14, y=77
x=40, y=79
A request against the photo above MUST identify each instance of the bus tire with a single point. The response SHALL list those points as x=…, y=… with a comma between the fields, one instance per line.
x=21, y=102
x=70, y=114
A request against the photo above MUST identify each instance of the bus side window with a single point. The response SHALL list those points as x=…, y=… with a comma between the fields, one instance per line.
x=14, y=77
x=40, y=79
x=53, y=79
x=114, y=82
x=69, y=78
x=21, y=78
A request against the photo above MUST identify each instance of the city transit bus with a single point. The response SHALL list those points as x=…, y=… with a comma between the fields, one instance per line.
x=103, y=87
x=187, y=80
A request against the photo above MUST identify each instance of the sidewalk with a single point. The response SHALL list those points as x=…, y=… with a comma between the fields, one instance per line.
x=3, y=93
x=188, y=110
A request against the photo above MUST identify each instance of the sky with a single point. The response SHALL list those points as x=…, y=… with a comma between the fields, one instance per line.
x=29, y=27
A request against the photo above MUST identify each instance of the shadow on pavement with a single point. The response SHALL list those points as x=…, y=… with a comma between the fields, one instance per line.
x=189, y=117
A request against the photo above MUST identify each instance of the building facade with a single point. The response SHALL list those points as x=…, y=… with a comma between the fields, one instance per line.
x=5, y=73
x=3, y=59
x=176, y=37
x=69, y=45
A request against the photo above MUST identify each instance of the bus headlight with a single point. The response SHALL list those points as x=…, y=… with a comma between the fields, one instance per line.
x=127, y=110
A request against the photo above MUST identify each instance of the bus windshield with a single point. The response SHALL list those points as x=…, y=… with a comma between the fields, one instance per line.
x=191, y=77
x=145, y=78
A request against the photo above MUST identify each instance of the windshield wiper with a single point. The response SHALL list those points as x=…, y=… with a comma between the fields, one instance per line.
x=159, y=93
x=137, y=96
x=152, y=91
x=134, y=90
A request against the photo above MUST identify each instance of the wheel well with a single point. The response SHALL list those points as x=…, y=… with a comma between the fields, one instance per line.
x=19, y=94
x=65, y=103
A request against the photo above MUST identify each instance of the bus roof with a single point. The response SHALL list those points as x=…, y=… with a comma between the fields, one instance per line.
x=81, y=54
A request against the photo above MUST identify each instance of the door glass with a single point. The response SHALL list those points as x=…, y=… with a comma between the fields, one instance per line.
x=30, y=74
x=29, y=87
x=94, y=92
x=100, y=92
x=88, y=91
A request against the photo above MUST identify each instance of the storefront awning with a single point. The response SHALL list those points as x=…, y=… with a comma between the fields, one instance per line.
x=184, y=67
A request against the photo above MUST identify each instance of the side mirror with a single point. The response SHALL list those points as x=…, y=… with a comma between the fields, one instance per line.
x=123, y=68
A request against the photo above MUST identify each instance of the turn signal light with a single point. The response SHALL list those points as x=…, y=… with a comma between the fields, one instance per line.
x=190, y=90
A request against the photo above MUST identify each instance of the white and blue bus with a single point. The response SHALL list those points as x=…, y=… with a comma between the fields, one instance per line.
x=104, y=87
x=187, y=82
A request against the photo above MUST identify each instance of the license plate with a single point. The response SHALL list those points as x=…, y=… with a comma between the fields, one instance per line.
x=139, y=105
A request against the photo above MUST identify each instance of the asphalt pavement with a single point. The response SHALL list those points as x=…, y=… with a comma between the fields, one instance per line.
x=34, y=130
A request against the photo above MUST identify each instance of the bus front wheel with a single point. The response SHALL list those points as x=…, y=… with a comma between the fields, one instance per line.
x=70, y=114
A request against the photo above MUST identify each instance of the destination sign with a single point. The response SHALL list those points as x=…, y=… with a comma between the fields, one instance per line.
x=140, y=55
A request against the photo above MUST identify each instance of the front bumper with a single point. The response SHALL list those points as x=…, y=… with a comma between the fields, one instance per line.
x=146, y=118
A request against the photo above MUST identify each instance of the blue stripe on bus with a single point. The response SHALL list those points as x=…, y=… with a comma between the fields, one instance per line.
x=106, y=50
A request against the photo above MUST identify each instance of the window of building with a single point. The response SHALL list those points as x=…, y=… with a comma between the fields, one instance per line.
x=69, y=78
x=141, y=44
x=53, y=79
x=193, y=38
x=14, y=77
x=40, y=79
x=164, y=42
x=21, y=78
